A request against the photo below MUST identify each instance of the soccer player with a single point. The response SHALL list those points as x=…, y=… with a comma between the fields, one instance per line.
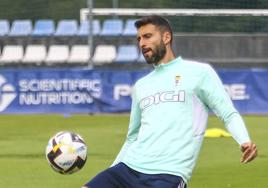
x=169, y=116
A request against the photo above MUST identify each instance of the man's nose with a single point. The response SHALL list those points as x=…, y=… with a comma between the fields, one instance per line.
x=141, y=44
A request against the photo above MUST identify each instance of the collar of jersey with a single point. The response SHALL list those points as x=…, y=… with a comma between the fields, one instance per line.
x=163, y=65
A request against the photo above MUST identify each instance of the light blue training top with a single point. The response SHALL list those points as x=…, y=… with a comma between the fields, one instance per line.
x=169, y=116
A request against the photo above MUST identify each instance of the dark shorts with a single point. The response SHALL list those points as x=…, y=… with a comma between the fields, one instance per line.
x=121, y=176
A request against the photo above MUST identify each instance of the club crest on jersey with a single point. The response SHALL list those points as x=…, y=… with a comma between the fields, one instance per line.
x=166, y=96
x=177, y=79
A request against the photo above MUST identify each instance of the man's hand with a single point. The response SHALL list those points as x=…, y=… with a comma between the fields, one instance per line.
x=249, y=151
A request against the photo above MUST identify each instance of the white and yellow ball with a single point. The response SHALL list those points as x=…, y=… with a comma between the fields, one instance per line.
x=66, y=152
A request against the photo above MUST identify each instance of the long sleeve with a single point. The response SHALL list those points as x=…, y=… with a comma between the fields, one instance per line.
x=133, y=130
x=216, y=98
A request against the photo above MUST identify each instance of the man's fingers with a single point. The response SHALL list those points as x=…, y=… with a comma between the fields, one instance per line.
x=250, y=157
x=249, y=153
x=246, y=152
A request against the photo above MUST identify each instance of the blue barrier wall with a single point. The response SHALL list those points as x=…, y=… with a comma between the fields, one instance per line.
x=25, y=91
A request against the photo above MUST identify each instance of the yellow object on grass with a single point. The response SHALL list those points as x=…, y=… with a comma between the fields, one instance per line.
x=216, y=133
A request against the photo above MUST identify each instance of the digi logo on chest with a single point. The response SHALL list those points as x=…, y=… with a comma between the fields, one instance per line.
x=161, y=97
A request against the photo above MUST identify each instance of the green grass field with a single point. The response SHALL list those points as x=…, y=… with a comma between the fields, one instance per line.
x=23, y=140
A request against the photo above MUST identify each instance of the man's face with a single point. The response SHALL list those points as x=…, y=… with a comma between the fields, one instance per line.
x=151, y=43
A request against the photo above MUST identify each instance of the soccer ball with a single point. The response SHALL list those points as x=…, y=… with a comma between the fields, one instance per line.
x=66, y=152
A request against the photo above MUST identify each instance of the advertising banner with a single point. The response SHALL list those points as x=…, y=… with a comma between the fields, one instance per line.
x=30, y=91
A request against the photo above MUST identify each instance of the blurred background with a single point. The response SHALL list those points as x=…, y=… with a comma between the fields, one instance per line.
x=82, y=57
x=221, y=39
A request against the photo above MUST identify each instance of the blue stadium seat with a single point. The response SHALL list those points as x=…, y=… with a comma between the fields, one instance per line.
x=21, y=28
x=4, y=27
x=84, y=28
x=66, y=28
x=127, y=53
x=112, y=27
x=130, y=29
x=44, y=28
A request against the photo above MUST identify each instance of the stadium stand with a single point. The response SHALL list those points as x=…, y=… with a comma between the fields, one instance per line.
x=79, y=54
x=4, y=28
x=104, y=54
x=130, y=29
x=66, y=28
x=57, y=54
x=127, y=54
x=48, y=43
x=112, y=27
x=11, y=54
x=21, y=28
x=43, y=28
x=219, y=49
x=35, y=54
x=84, y=28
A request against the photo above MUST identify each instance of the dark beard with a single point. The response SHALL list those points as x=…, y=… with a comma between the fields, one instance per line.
x=157, y=55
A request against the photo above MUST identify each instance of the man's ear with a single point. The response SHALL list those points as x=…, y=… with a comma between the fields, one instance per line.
x=166, y=37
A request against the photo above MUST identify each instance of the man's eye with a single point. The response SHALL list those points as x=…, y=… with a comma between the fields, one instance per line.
x=147, y=36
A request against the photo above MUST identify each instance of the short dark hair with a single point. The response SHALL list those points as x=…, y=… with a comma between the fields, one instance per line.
x=157, y=21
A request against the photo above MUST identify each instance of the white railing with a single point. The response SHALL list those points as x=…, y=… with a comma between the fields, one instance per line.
x=172, y=12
